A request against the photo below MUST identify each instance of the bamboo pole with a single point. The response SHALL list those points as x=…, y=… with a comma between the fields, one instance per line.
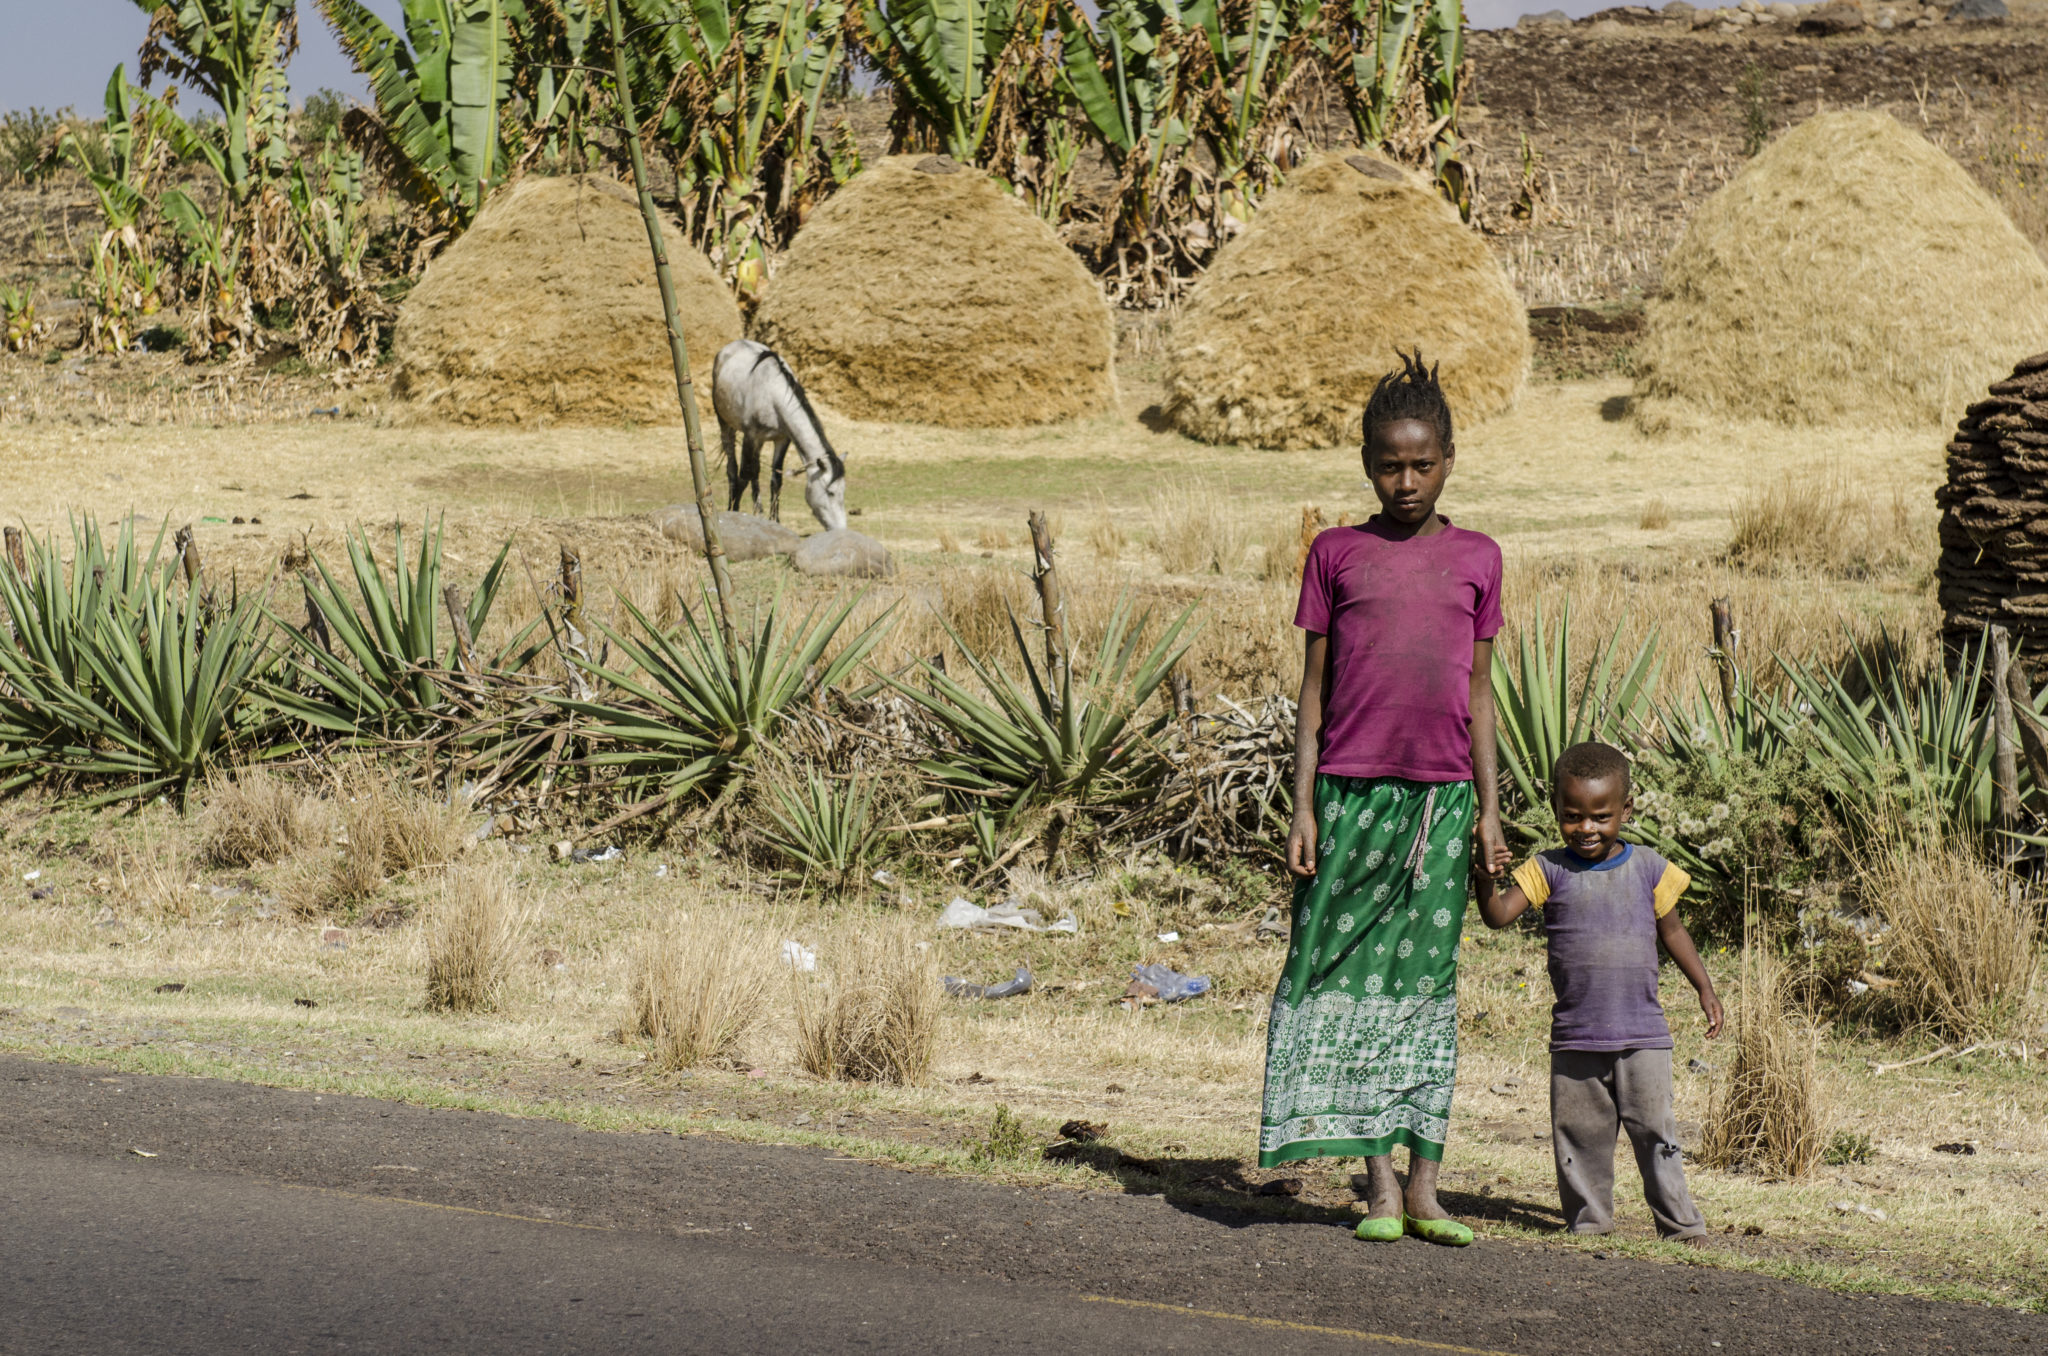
x=678, y=351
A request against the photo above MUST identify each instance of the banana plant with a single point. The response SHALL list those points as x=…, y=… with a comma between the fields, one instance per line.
x=553, y=47
x=959, y=70
x=233, y=52
x=439, y=92
x=1375, y=52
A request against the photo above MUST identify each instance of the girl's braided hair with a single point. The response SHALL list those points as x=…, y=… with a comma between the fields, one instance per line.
x=1411, y=393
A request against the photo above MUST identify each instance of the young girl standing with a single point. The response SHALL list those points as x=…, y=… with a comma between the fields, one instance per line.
x=1394, y=760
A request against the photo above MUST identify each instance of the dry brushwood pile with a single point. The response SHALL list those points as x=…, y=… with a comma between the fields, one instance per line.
x=546, y=311
x=1283, y=339
x=1994, y=510
x=922, y=293
x=1852, y=273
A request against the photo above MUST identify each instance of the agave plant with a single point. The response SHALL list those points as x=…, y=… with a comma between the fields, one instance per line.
x=1539, y=713
x=115, y=672
x=380, y=672
x=1066, y=735
x=695, y=709
x=827, y=828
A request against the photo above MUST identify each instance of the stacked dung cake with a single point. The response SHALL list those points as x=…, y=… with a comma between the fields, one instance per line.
x=1994, y=515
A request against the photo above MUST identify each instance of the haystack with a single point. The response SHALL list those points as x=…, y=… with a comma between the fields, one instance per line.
x=1994, y=509
x=1281, y=342
x=923, y=293
x=546, y=311
x=1852, y=273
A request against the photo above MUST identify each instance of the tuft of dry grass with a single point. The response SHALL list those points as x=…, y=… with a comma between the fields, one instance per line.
x=387, y=830
x=700, y=987
x=1767, y=1116
x=871, y=1011
x=156, y=877
x=1656, y=515
x=977, y=602
x=474, y=944
x=1108, y=539
x=1196, y=529
x=257, y=816
x=1825, y=521
x=1964, y=945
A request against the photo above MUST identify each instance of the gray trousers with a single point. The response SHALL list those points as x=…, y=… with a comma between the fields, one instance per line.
x=1594, y=1094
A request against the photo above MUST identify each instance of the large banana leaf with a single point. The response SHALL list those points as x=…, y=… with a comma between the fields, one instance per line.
x=946, y=61
x=232, y=52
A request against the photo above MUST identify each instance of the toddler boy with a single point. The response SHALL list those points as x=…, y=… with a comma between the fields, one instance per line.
x=1606, y=905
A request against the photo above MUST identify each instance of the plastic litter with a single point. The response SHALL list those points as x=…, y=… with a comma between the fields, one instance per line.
x=962, y=913
x=1169, y=936
x=797, y=956
x=661, y=872
x=604, y=854
x=883, y=878
x=960, y=988
x=1165, y=984
x=31, y=876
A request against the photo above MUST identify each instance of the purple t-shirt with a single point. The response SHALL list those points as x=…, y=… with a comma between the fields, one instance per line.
x=1402, y=617
x=1600, y=921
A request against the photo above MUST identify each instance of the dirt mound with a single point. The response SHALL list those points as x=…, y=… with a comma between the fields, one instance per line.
x=546, y=311
x=921, y=292
x=1994, y=568
x=1282, y=341
x=1852, y=273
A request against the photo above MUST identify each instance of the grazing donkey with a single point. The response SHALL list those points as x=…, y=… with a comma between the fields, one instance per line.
x=758, y=400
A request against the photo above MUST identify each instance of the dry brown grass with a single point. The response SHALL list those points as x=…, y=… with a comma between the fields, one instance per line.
x=700, y=989
x=387, y=829
x=1656, y=515
x=256, y=816
x=1281, y=342
x=474, y=943
x=1196, y=529
x=1825, y=520
x=870, y=1012
x=156, y=876
x=1964, y=945
x=1784, y=298
x=939, y=299
x=1767, y=1115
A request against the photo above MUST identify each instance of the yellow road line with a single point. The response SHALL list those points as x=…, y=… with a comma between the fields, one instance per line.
x=1388, y=1338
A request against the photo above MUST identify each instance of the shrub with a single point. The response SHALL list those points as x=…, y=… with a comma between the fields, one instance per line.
x=1767, y=1115
x=1963, y=947
x=475, y=940
x=871, y=1011
x=1847, y=1147
x=1006, y=1141
x=698, y=991
x=257, y=816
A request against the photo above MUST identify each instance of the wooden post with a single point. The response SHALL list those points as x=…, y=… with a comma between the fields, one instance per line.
x=15, y=555
x=458, y=617
x=572, y=623
x=2005, y=771
x=2031, y=742
x=1183, y=693
x=1726, y=637
x=188, y=554
x=678, y=351
x=1046, y=576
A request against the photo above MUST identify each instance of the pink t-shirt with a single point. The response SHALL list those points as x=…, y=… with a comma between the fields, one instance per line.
x=1402, y=617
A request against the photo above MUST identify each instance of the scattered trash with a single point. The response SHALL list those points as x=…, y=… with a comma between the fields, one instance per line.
x=41, y=892
x=1852, y=1208
x=960, y=988
x=1270, y=925
x=1858, y=986
x=168, y=988
x=32, y=876
x=334, y=939
x=1083, y=1132
x=1698, y=1066
x=142, y=1153
x=661, y=872
x=562, y=850
x=304, y=1003
x=1165, y=984
x=962, y=913
x=883, y=878
x=484, y=829
x=1280, y=1186
x=1960, y=1147
x=797, y=956
x=1169, y=936
x=603, y=854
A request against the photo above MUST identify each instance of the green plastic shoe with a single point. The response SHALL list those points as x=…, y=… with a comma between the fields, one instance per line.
x=1380, y=1230
x=1447, y=1232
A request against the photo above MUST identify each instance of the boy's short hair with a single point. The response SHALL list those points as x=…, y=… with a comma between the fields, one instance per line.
x=1592, y=762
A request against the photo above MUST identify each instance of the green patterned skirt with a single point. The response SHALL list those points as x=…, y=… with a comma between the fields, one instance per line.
x=1362, y=1053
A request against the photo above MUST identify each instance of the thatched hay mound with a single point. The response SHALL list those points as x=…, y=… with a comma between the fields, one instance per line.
x=546, y=311
x=1281, y=342
x=1851, y=273
x=923, y=293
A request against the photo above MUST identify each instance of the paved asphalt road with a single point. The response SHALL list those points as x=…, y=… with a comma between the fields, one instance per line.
x=276, y=1222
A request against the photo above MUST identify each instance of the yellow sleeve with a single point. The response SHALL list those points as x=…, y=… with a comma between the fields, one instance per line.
x=1670, y=888
x=1529, y=875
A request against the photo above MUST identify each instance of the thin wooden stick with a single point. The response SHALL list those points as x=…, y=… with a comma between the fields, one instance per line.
x=2029, y=725
x=2005, y=770
x=1046, y=576
x=1725, y=640
x=458, y=617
